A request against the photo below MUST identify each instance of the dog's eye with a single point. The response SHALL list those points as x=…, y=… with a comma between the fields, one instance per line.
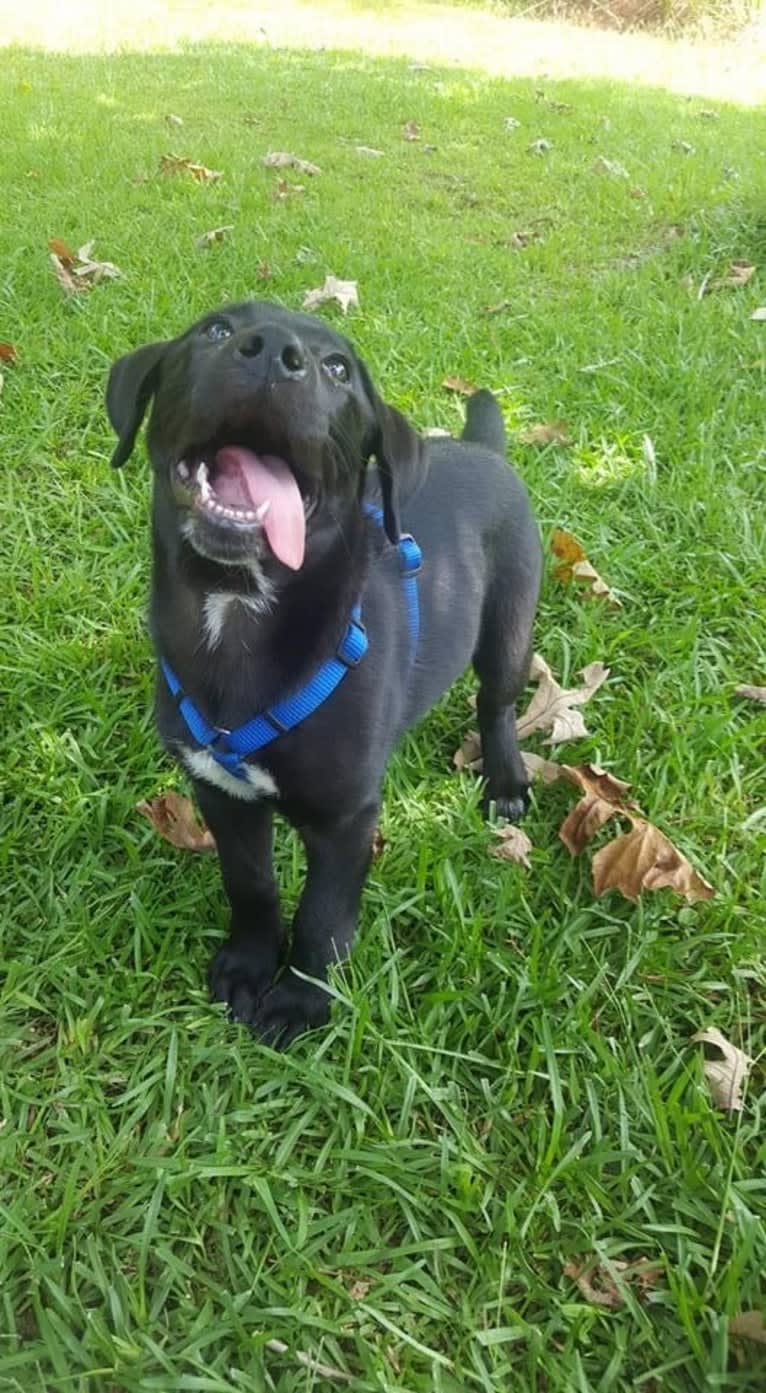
x=337, y=368
x=218, y=331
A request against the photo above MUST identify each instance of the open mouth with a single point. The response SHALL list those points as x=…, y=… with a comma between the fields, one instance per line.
x=236, y=490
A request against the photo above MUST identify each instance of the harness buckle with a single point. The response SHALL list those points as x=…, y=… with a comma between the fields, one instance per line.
x=274, y=721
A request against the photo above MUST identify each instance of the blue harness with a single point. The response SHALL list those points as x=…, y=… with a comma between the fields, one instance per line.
x=230, y=748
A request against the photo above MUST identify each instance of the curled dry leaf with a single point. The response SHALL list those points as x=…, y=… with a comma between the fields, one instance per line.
x=469, y=754
x=739, y=274
x=216, y=234
x=78, y=271
x=514, y=845
x=574, y=565
x=263, y=271
x=179, y=164
x=173, y=120
x=280, y=159
x=683, y=146
x=370, y=151
x=752, y=693
x=760, y=314
x=175, y=819
x=644, y=859
x=498, y=309
x=725, y=1076
x=601, y=165
x=411, y=130
x=540, y=147
x=284, y=189
x=511, y=123
x=8, y=353
x=459, y=385
x=345, y=292
x=604, y=798
x=554, y=707
x=378, y=844
x=598, y=1286
x=749, y=1325
x=546, y=433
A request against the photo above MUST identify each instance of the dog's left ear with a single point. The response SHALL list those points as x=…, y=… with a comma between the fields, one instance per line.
x=399, y=454
x=132, y=383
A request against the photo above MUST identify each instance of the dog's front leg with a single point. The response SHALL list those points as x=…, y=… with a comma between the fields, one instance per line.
x=338, y=856
x=246, y=965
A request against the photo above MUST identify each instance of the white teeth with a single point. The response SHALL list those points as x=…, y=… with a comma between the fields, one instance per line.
x=182, y=469
x=201, y=473
x=263, y=509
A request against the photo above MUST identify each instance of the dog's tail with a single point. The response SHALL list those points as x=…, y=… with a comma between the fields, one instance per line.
x=484, y=423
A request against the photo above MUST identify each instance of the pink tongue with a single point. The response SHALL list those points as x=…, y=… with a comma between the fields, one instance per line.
x=245, y=480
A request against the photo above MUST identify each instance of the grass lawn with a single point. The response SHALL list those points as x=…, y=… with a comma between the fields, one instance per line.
x=509, y=1085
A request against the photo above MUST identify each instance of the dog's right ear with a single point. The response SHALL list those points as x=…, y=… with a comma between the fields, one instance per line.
x=132, y=383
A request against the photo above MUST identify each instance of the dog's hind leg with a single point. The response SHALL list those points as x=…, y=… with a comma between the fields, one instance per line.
x=501, y=661
x=247, y=963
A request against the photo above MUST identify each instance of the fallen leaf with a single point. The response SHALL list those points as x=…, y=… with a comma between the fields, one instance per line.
x=749, y=1325
x=725, y=1076
x=707, y=114
x=684, y=147
x=284, y=189
x=514, y=845
x=759, y=314
x=2, y=383
x=738, y=275
x=459, y=385
x=544, y=100
x=598, y=1286
x=554, y=708
x=77, y=271
x=498, y=309
x=519, y=240
x=175, y=819
x=378, y=844
x=604, y=798
x=174, y=120
x=574, y=565
x=345, y=292
x=411, y=130
x=263, y=271
x=370, y=151
x=216, y=234
x=64, y=276
x=751, y=693
x=540, y=147
x=546, y=433
x=58, y=247
x=469, y=754
x=280, y=159
x=511, y=123
x=539, y=768
x=637, y=192
x=179, y=164
x=8, y=353
x=644, y=859
x=359, y=1290
x=601, y=165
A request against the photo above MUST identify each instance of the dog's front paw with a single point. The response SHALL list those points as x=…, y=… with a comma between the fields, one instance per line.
x=239, y=977
x=292, y=1007
x=509, y=806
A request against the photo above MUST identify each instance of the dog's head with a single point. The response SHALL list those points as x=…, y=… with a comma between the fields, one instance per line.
x=262, y=426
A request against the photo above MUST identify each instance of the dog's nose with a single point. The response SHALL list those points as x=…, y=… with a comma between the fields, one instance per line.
x=276, y=352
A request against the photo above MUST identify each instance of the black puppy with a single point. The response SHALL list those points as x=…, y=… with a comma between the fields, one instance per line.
x=295, y=642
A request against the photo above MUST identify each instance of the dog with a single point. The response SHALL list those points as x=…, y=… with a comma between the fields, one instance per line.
x=296, y=637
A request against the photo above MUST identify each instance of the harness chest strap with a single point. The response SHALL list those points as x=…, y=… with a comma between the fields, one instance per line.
x=229, y=748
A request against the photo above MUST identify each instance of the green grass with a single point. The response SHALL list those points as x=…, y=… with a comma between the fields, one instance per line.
x=508, y=1084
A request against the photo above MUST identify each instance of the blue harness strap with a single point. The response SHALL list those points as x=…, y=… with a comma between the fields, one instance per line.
x=230, y=748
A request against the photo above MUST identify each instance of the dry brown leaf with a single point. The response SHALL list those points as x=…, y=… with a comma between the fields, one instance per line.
x=514, y=845
x=284, y=189
x=175, y=819
x=644, y=859
x=598, y=1285
x=77, y=271
x=604, y=799
x=498, y=309
x=546, y=433
x=725, y=1076
x=601, y=165
x=749, y=1325
x=519, y=240
x=179, y=164
x=58, y=247
x=263, y=271
x=280, y=159
x=574, y=565
x=216, y=234
x=554, y=708
x=751, y=693
x=739, y=274
x=370, y=151
x=540, y=147
x=378, y=844
x=8, y=353
x=359, y=1290
x=64, y=276
x=345, y=292
x=459, y=385
x=411, y=130
x=539, y=768
x=173, y=120
x=469, y=754
x=760, y=314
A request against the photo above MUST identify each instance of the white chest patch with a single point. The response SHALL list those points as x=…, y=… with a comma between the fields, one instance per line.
x=218, y=603
x=201, y=764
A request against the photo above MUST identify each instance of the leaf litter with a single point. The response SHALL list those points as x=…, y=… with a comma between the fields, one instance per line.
x=174, y=817
x=180, y=164
x=726, y=1075
x=573, y=564
x=79, y=271
x=751, y=693
x=344, y=292
x=546, y=433
x=281, y=159
x=216, y=234
x=603, y=1284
